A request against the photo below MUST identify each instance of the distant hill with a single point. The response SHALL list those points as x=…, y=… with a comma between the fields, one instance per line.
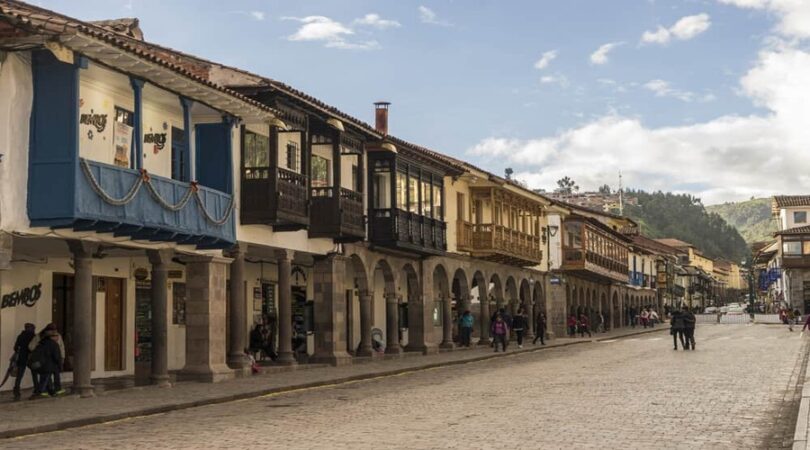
x=752, y=218
x=682, y=216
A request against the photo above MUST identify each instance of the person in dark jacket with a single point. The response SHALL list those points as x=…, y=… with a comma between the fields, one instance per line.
x=540, y=328
x=519, y=323
x=689, y=328
x=49, y=359
x=584, y=325
x=676, y=329
x=21, y=352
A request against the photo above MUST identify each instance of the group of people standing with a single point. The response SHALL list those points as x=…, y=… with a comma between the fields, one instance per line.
x=43, y=354
x=502, y=324
x=646, y=316
x=682, y=327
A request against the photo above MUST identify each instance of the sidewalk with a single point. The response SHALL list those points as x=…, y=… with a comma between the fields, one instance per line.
x=27, y=417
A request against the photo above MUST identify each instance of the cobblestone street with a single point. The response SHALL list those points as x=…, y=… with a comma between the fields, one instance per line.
x=735, y=391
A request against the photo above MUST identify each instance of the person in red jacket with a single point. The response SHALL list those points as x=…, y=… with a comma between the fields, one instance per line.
x=572, y=325
x=584, y=326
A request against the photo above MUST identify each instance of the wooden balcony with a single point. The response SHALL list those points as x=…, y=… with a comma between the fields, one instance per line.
x=499, y=244
x=339, y=217
x=795, y=261
x=275, y=196
x=408, y=231
x=594, y=265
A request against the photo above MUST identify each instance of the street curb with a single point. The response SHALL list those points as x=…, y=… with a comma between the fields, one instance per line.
x=279, y=390
x=800, y=431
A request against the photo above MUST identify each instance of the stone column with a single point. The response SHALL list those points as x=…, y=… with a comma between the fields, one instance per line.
x=205, y=319
x=82, y=316
x=237, y=321
x=366, y=297
x=392, y=346
x=483, y=319
x=529, y=307
x=330, y=311
x=285, y=350
x=447, y=323
x=160, y=315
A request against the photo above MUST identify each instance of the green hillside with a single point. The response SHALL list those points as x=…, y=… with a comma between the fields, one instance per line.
x=680, y=216
x=751, y=218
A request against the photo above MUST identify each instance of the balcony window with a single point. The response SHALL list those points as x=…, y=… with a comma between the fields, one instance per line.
x=413, y=191
x=806, y=247
x=437, y=202
x=792, y=248
x=402, y=191
x=426, y=199
x=573, y=235
x=800, y=217
x=293, y=156
x=320, y=172
x=257, y=156
x=382, y=188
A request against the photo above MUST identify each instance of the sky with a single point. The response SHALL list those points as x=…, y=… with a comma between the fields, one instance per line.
x=706, y=97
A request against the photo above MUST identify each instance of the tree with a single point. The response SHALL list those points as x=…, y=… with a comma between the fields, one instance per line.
x=566, y=185
x=508, y=172
x=604, y=189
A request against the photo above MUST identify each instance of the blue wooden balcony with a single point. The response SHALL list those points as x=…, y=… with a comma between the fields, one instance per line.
x=126, y=202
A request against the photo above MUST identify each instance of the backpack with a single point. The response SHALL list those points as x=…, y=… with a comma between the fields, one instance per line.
x=37, y=358
x=500, y=327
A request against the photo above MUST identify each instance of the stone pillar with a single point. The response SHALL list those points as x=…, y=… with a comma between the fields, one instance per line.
x=366, y=297
x=160, y=315
x=237, y=321
x=556, y=309
x=392, y=346
x=330, y=311
x=205, y=319
x=285, y=350
x=447, y=323
x=82, y=316
x=483, y=319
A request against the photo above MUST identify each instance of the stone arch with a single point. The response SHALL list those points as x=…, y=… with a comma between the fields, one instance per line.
x=442, y=305
x=615, y=321
x=383, y=299
x=512, y=294
x=480, y=304
x=460, y=290
x=410, y=292
x=538, y=298
x=357, y=272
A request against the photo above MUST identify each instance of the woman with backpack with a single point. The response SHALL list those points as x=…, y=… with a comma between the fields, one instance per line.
x=584, y=326
x=500, y=331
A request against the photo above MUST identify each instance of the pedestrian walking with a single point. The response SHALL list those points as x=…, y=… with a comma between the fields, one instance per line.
x=600, y=324
x=676, y=329
x=806, y=323
x=653, y=318
x=645, y=315
x=584, y=326
x=790, y=319
x=55, y=377
x=519, y=323
x=572, y=325
x=500, y=332
x=466, y=326
x=689, y=328
x=20, y=357
x=540, y=328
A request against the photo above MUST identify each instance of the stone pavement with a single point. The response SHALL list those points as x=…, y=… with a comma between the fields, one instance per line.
x=22, y=418
x=637, y=393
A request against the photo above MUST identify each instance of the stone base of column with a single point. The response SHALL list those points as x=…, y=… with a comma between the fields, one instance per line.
x=334, y=358
x=446, y=346
x=206, y=374
x=286, y=359
x=238, y=362
x=393, y=352
x=425, y=349
x=84, y=391
x=484, y=342
x=161, y=380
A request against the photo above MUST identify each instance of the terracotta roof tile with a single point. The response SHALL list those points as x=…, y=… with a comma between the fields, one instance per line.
x=786, y=201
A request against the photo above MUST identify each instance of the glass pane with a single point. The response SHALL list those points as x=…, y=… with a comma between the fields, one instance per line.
x=293, y=156
x=257, y=150
x=402, y=191
x=413, y=188
x=426, y=199
x=382, y=190
x=800, y=217
x=806, y=247
x=792, y=248
x=320, y=172
x=437, y=202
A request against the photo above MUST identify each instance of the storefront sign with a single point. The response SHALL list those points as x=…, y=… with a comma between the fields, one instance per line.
x=27, y=297
x=555, y=279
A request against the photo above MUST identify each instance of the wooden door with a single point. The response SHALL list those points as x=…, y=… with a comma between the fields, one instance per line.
x=114, y=324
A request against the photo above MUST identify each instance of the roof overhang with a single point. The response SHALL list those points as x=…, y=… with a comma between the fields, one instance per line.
x=161, y=76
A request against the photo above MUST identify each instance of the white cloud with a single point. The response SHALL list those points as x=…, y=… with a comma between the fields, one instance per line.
x=560, y=80
x=794, y=15
x=662, y=88
x=729, y=158
x=600, y=56
x=258, y=15
x=427, y=15
x=684, y=29
x=545, y=59
x=331, y=33
x=374, y=20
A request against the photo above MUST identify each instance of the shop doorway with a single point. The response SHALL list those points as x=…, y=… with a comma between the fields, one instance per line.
x=113, y=324
x=143, y=330
x=62, y=313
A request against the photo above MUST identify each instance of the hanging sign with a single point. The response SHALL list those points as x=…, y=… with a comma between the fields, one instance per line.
x=27, y=297
x=122, y=139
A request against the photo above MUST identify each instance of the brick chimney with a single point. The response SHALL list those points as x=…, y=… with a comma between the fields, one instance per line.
x=381, y=117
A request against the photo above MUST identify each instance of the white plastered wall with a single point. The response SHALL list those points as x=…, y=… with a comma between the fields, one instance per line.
x=16, y=97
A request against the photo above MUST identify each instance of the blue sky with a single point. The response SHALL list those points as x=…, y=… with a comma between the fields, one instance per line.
x=465, y=77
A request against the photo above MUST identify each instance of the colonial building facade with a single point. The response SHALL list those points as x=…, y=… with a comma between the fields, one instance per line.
x=156, y=206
